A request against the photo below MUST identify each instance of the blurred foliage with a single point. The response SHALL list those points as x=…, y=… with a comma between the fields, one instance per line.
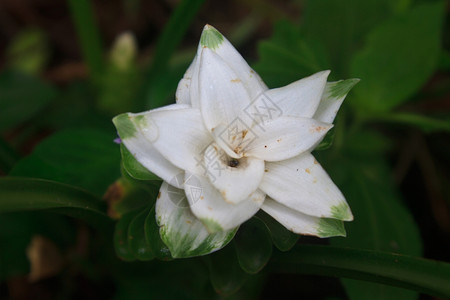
x=63, y=134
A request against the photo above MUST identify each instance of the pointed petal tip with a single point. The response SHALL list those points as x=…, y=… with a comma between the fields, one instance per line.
x=211, y=37
x=342, y=212
x=125, y=126
x=330, y=228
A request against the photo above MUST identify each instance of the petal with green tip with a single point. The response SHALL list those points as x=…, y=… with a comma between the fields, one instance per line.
x=178, y=134
x=300, y=98
x=300, y=223
x=181, y=231
x=211, y=38
x=333, y=96
x=302, y=184
x=142, y=149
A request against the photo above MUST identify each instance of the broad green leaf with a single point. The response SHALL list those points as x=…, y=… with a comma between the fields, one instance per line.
x=398, y=58
x=226, y=275
x=137, y=241
x=85, y=158
x=282, y=238
x=21, y=98
x=253, y=246
x=341, y=25
x=287, y=56
x=381, y=222
x=414, y=273
x=133, y=167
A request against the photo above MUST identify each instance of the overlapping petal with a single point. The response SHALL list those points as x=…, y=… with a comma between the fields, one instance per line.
x=223, y=97
x=285, y=137
x=235, y=179
x=300, y=223
x=301, y=183
x=300, y=98
x=332, y=98
x=180, y=230
x=208, y=205
x=183, y=93
x=215, y=41
x=177, y=134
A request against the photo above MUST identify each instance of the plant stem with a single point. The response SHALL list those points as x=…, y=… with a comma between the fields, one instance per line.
x=88, y=35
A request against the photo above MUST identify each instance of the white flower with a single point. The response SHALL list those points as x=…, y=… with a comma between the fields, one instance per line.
x=231, y=146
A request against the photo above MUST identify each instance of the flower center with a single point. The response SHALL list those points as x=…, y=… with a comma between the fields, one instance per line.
x=233, y=162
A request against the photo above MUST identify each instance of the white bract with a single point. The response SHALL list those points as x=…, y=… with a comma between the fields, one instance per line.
x=230, y=147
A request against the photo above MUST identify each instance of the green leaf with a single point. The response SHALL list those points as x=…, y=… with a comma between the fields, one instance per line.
x=226, y=275
x=168, y=41
x=288, y=56
x=133, y=167
x=400, y=55
x=21, y=98
x=423, y=275
x=137, y=241
x=26, y=194
x=341, y=25
x=381, y=220
x=88, y=35
x=82, y=157
x=253, y=246
x=282, y=238
x=20, y=194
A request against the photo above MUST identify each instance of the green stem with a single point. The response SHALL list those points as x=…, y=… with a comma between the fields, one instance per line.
x=423, y=275
x=425, y=123
x=88, y=34
x=170, y=38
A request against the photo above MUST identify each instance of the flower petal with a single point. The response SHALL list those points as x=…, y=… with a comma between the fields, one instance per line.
x=300, y=223
x=285, y=137
x=182, y=95
x=178, y=134
x=300, y=98
x=143, y=150
x=180, y=230
x=332, y=98
x=235, y=183
x=222, y=95
x=214, y=40
x=303, y=185
x=208, y=205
